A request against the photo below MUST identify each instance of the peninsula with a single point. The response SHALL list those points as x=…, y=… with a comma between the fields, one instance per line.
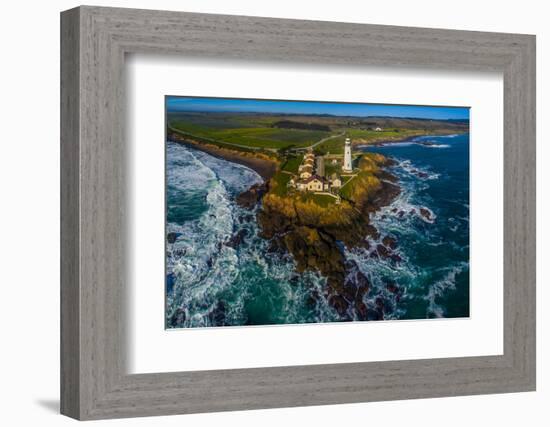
x=319, y=190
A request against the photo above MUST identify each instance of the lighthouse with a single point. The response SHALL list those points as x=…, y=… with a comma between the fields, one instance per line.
x=346, y=167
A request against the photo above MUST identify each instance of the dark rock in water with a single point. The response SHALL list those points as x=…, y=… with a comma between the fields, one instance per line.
x=246, y=218
x=392, y=287
x=394, y=210
x=390, y=162
x=361, y=310
x=178, y=318
x=349, y=292
x=275, y=247
x=426, y=214
x=396, y=258
x=237, y=239
x=373, y=314
x=362, y=284
x=390, y=242
x=313, y=298
x=172, y=237
x=217, y=316
x=339, y=304
x=372, y=232
x=385, y=196
x=382, y=174
x=295, y=279
x=413, y=211
x=383, y=217
x=178, y=253
x=382, y=251
x=400, y=214
x=250, y=198
x=422, y=175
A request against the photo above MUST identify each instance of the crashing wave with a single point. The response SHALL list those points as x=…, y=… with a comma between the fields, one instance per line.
x=441, y=287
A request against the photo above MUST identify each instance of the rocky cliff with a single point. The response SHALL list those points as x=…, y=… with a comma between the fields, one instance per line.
x=316, y=235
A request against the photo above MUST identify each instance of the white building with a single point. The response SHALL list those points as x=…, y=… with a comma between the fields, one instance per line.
x=306, y=172
x=335, y=181
x=346, y=167
x=314, y=183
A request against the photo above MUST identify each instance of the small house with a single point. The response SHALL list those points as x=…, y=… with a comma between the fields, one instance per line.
x=335, y=181
x=314, y=183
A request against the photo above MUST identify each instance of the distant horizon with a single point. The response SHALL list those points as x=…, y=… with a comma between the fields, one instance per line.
x=175, y=104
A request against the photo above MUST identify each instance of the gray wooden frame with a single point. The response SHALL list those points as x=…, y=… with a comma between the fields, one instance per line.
x=94, y=41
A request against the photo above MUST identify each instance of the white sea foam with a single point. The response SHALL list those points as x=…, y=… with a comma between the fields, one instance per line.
x=442, y=287
x=436, y=145
x=208, y=270
x=237, y=178
x=416, y=171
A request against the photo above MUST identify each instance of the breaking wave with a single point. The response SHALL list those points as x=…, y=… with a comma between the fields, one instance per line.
x=211, y=280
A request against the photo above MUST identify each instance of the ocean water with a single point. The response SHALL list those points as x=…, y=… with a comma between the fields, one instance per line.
x=210, y=281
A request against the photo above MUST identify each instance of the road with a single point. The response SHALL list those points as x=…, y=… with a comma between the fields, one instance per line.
x=328, y=138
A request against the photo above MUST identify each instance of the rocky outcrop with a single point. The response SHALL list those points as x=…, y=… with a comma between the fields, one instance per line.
x=316, y=237
x=250, y=198
x=237, y=239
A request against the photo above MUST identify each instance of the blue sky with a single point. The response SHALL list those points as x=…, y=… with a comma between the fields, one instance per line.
x=302, y=107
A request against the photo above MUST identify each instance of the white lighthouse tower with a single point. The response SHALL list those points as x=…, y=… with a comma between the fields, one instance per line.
x=346, y=167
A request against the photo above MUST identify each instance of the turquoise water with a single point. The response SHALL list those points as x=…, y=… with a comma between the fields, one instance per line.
x=211, y=282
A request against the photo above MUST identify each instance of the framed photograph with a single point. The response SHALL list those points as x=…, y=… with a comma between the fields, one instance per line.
x=262, y=213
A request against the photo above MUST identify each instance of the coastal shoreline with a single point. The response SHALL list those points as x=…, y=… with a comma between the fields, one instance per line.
x=401, y=140
x=262, y=166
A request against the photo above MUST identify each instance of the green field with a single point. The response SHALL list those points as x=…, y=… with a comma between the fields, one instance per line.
x=253, y=131
x=253, y=137
x=292, y=163
x=280, y=181
x=330, y=168
x=332, y=146
x=347, y=190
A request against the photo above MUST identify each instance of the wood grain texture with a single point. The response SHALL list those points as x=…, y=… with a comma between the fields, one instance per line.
x=94, y=231
x=70, y=307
